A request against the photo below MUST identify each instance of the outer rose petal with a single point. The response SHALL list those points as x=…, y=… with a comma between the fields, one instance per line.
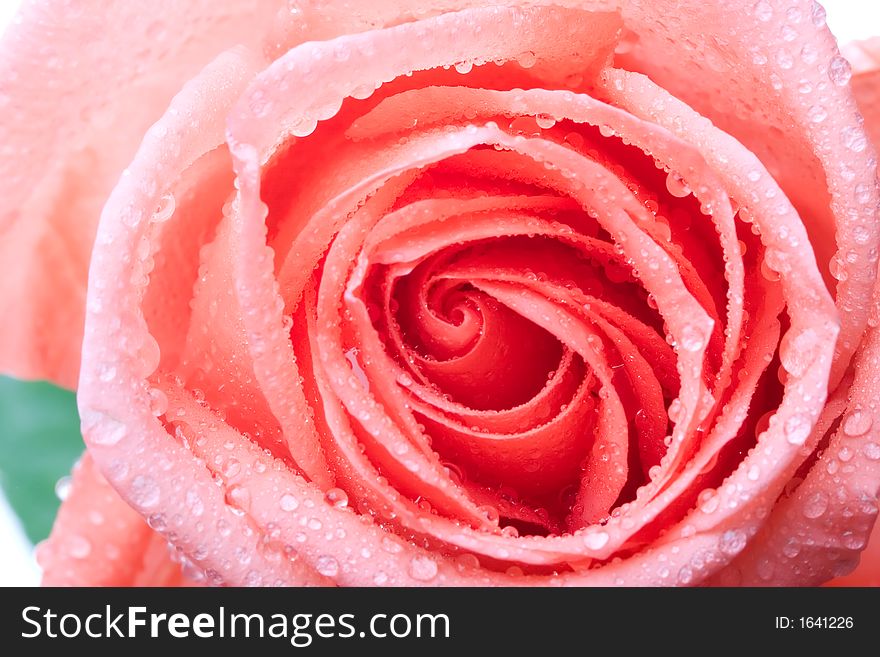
x=99, y=540
x=79, y=85
x=818, y=532
x=868, y=571
x=865, y=59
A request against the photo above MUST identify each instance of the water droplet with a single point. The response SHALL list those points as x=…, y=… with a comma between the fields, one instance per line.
x=763, y=11
x=231, y=468
x=145, y=492
x=158, y=402
x=545, y=121
x=327, y=565
x=676, y=185
x=164, y=210
x=107, y=373
x=788, y=33
x=732, y=542
x=791, y=548
x=464, y=67
x=797, y=428
x=853, y=540
x=871, y=451
x=862, y=193
x=79, y=547
x=62, y=487
x=692, y=338
x=157, y=521
x=596, y=540
x=467, y=561
x=798, y=351
x=490, y=512
x=194, y=502
x=685, y=575
x=404, y=379
x=817, y=113
x=838, y=268
x=784, y=59
x=839, y=71
x=854, y=139
x=391, y=546
x=857, y=423
x=337, y=497
x=423, y=568
x=708, y=501
x=817, y=14
x=380, y=578
x=238, y=497
x=606, y=130
x=303, y=126
x=527, y=59
x=815, y=505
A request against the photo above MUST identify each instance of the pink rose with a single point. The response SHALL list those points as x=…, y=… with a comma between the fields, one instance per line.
x=400, y=293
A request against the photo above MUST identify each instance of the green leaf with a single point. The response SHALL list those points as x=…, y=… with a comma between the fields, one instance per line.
x=39, y=442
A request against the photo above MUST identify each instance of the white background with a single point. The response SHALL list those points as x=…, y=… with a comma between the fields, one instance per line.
x=848, y=20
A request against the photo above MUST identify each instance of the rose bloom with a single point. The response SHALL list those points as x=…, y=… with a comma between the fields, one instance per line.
x=448, y=293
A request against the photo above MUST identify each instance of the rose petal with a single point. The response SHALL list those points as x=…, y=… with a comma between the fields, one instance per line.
x=116, y=73
x=98, y=540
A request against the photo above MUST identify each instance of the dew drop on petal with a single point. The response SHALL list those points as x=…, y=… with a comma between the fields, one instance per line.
x=606, y=130
x=765, y=568
x=336, y=497
x=62, y=487
x=799, y=350
x=288, y=502
x=527, y=59
x=391, y=546
x=854, y=139
x=676, y=185
x=79, y=547
x=871, y=451
x=545, y=121
x=238, y=497
x=595, y=540
x=327, y=565
x=815, y=505
x=839, y=71
x=423, y=568
x=158, y=402
x=107, y=373
x=763, y=11
x=732, y=542
x=164, y=210
x=817, y=113
x=692, y=339
x=797, y=428
x=817, y=14
x=857, y=422
x=466, y=561
x=231, y=468
x=144, y=492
